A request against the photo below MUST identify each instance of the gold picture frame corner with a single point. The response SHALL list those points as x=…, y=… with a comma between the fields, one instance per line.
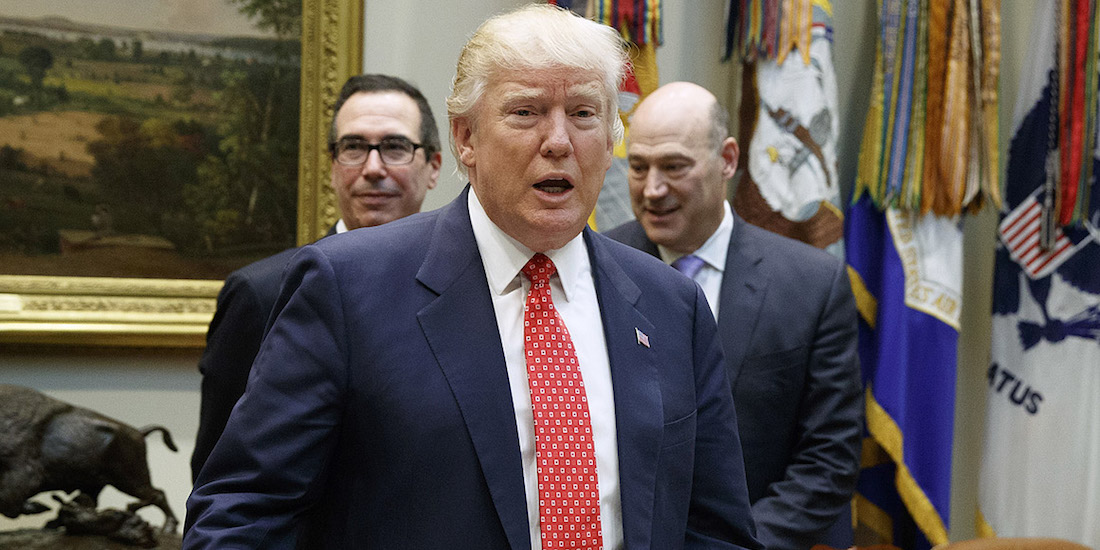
x=131, y=312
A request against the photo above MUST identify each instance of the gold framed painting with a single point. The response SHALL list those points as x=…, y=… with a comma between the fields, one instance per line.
x=139, y=165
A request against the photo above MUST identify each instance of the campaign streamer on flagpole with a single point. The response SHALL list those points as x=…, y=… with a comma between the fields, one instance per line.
x=930, y=135
x=789, y=121
x=1040, y=473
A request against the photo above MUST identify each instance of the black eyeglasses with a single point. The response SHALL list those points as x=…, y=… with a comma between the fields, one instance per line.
x=394, y=151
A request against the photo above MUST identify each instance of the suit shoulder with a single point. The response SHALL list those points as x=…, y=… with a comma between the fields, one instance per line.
x=646, y=270
x=390, y=238
x=265, y=267
x=786, y=252
x=396, y=247
x=630, y=233
x=628, y=254
x=260, y=278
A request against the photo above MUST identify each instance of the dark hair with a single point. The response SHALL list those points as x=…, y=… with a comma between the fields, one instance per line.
x=378, y=83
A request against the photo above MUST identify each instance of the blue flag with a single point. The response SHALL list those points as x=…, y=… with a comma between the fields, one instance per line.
x=907, y=276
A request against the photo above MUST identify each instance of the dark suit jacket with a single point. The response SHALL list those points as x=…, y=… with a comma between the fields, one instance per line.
x=787, y=321
x=232, y=341
x=378, y=413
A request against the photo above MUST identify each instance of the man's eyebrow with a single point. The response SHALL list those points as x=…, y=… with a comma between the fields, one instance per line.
x=359, y=137
x=524, y=94
x=590, y=91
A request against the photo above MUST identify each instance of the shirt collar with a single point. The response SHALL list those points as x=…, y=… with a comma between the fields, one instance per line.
x=341, y=226
x=504, y=257
x=714, y=250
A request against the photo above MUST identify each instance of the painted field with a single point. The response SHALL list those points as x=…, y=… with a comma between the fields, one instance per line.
x=60, y=138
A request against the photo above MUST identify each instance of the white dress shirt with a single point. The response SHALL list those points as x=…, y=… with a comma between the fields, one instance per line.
x=574, y=295
x=713, y=253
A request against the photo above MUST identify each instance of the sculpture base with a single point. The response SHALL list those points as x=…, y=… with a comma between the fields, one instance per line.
x=52, y=539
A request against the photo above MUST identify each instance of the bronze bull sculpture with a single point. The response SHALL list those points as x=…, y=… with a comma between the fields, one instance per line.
x=47, y=445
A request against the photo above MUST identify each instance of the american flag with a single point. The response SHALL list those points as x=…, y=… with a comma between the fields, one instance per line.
x=1020, y=233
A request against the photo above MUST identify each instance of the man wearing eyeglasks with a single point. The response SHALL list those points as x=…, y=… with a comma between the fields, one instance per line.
x=385, y=157
x=385, y=150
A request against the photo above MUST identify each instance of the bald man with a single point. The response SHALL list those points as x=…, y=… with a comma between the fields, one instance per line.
x=785, y=311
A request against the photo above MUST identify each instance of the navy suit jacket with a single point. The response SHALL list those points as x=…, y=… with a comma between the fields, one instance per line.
x=232, y=341
x=378, y=412
x=787, y=321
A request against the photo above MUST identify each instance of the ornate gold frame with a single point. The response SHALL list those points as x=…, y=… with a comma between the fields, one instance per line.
x=332, y=50
x=103, y=311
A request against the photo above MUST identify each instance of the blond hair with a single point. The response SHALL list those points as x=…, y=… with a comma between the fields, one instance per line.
x=538, y=36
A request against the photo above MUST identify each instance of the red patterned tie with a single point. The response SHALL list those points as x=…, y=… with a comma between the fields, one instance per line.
x=569, y=499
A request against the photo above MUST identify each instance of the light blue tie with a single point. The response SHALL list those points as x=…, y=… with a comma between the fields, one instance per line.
x=689, y=265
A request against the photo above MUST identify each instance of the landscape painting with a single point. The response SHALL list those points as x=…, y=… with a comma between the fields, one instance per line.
x=147, y=138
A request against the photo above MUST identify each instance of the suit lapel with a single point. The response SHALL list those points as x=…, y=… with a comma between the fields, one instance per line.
x=460, y=327
x=639, y=417
x=742, y=294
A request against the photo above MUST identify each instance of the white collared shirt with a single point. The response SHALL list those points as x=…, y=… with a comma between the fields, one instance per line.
x=341, y=227
x=713, y=253
x=574, y=295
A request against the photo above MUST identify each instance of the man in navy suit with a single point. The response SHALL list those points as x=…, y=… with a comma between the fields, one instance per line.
x=785, y=312
x=398, y=400
x=370, y=189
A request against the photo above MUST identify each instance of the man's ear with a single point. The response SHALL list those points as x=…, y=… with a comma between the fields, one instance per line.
x=435, y=161
x=730, y=154
x=463, y=135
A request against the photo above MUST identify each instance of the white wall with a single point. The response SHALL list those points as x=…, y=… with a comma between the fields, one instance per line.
x=419, y=40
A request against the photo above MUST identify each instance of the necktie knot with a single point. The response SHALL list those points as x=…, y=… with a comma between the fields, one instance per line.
x=539, y=269
x=688, y=264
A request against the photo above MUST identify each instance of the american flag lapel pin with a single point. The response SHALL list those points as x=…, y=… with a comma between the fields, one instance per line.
x=642, y=338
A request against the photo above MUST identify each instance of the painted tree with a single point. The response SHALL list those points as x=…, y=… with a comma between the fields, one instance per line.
x=246, y=192
x=283, y=18
x=36, y=60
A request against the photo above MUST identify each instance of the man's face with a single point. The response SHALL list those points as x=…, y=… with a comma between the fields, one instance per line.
x=677, y=175
x=375, y=193
x=537, y=147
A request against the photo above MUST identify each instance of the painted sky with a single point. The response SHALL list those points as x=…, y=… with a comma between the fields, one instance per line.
x=198, y=16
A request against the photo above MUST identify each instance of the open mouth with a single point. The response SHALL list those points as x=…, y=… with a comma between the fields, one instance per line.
x=554, y=186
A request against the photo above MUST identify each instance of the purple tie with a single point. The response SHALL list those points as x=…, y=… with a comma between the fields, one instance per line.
x=689, y=265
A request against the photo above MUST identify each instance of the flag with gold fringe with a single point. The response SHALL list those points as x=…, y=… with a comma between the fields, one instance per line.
x=788, y=119
x=1040, y=473
x=906, y=270
x=929, y=155
x=639, y=22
